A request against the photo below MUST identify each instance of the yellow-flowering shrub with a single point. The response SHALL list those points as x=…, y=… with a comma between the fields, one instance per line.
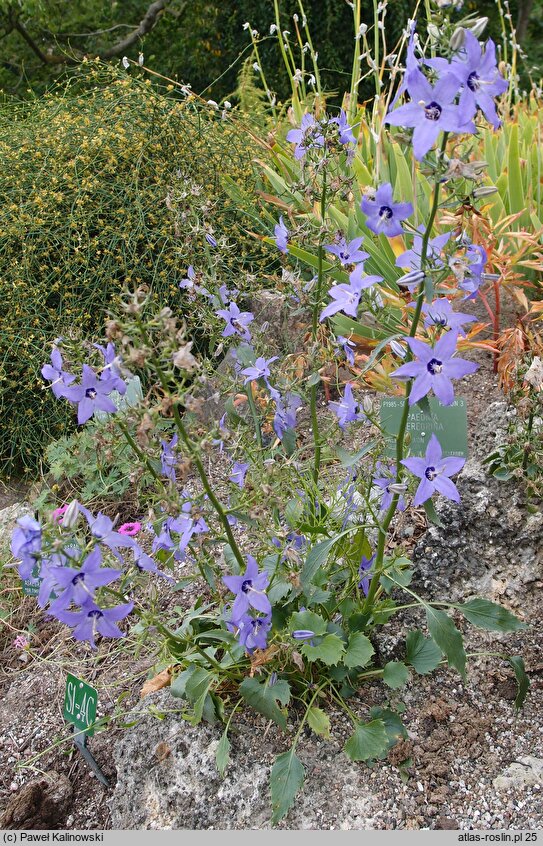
x=101, y=187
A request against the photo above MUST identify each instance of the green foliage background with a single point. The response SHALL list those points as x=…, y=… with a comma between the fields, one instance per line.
x=84, y=176
x=203, y=41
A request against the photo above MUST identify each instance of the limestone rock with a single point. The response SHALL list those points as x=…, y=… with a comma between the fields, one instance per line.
x=523, y=773
x=488, y=542
x=167, y=777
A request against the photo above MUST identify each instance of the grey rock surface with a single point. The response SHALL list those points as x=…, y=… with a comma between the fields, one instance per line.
x=168, y=778
x=489, y=543
x=526, y=771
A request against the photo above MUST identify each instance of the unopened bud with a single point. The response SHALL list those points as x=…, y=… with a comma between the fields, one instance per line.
x=397, y=488
x=367, y=404
x=433, y=32
x=485, y=191
x=415, y=277
x=479, y=26
x=71, y=515
x=397, y=349
x=457, y=39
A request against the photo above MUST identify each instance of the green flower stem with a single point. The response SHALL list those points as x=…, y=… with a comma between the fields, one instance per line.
x=314, y=329
x=383, y=528
x=192, y=450
x=141, y=455
x=254, y=414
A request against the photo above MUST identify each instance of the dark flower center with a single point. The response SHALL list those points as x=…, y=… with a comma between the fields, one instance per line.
x=430, y=473
x=79, y=578
x=256, y=623
x=96, y=614
x=432, y=111
x=434, y=366
x=91, y=393
x=473, y=82
x=344, y=256
x=386, y=212
x=246, y=586
x=439, y=319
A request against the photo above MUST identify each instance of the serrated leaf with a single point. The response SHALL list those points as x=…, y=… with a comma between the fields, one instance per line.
x=523, y=682
x=359, y=650
x=422, y=652
x=369, y=740
x=222, y=753
x=319, y=721
x=287, y=778
x=447, y=637
x=281, y=691
x=395, y=674
x=329, y=650
x=307, y=621
x=491, y=616
x=261, y=698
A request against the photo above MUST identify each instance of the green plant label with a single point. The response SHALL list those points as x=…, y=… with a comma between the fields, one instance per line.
x=31, y=586
x=80, y=701
x=447, y=422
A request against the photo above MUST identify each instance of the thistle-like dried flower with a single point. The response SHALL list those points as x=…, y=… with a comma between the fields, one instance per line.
x=184, y=360
x=114, y=330
x=146, y=426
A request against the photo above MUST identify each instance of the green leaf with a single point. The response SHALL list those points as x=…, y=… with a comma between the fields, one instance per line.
x=523, y=682
x=262, y=699
x=287, y=778
x=294, y=510
x=359, y=650
x=196, y=691
x=491, y=616
x=350, y=459
x=233, y=415
x=431, y=513
x=281, y=691
x=368, y=741
x=394, y=727
x=319, y=721
x=307, y=621
x=447, y=637
x=395, y=674
x=422, y=652
x=317, y=558
x=329, y=650
x=222, y=753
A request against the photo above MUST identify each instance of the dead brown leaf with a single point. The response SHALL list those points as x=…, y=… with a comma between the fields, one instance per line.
x=163, y=679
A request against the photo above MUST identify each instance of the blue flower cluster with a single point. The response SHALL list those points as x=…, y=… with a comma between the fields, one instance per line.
x=93, y=392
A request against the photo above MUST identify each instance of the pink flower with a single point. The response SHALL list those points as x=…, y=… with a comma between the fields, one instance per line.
x=21, y=642
x=56, y=515
x=130, y=529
